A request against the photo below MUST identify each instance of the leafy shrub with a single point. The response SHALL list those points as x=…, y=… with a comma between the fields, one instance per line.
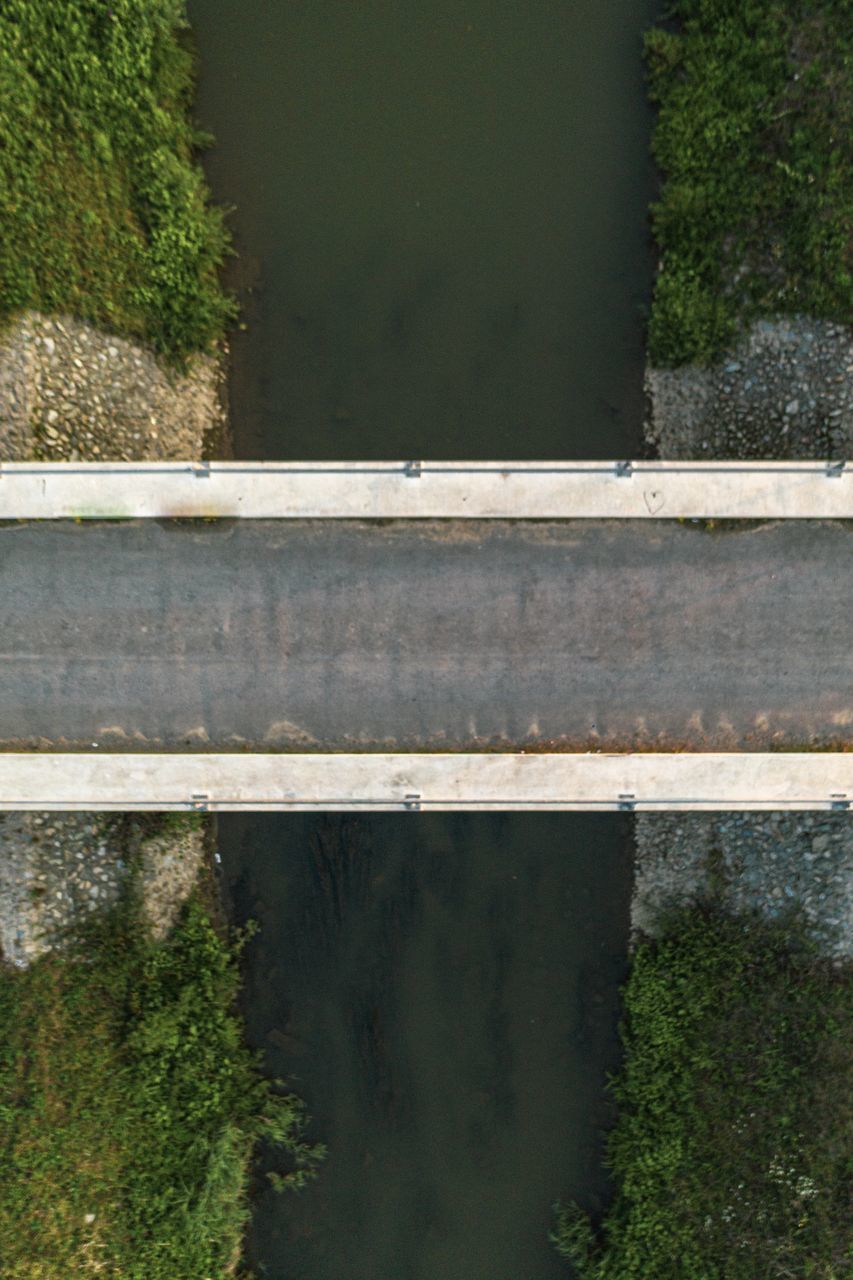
x=733, y=1149
x=129, y=1108
x=103, y=211
x=755, y=144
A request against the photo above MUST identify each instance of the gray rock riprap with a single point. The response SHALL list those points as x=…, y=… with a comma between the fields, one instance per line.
x=766, y=862
x=785, y=391
x=58, y=868
x=69, y=391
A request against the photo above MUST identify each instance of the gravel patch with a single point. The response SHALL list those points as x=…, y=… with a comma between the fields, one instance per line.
x=69, y=392
x=170, y=866
x=57, y=869
x=765, y=862
x=784, y=392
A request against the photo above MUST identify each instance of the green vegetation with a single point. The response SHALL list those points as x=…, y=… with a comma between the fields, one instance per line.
x=103, y=213
x=129, y=1108
x=733, y=1151
x=755, y=143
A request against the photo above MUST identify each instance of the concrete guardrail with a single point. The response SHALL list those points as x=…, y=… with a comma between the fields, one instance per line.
x=426, y=490
x=424, y=782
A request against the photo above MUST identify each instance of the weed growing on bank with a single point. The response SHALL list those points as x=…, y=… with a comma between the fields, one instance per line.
x=103, y=212
x=733, y=1153
x=129, y=1108
x=754, y=141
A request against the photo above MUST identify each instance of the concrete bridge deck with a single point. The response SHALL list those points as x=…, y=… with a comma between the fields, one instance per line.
x=316, y=636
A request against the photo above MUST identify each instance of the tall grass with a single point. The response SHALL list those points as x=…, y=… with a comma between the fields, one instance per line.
x=754, y=141
x=733, y=1152
x=104, y=212
x=129, y=1108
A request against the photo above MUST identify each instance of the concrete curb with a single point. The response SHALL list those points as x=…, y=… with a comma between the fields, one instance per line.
x=422, y=782
x=427, y=490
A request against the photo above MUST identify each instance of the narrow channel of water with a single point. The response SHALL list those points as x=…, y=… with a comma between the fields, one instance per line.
x=441, y=208
x=442, y=991
x=441, y=213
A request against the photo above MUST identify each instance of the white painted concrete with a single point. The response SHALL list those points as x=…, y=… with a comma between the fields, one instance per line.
x=392, y=490
x=783, y=780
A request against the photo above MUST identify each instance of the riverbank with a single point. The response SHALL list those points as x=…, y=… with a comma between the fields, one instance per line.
x=130, y=1107
x=731, y=1151
x=730, y=1154
x=751, y=355
x=117, y=974
x=70, y=391
x=112, y=343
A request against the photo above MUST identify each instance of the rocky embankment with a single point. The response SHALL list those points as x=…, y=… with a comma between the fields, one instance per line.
x=70, y=392
x=784, y=392
x=766, y=862
x=57, y=868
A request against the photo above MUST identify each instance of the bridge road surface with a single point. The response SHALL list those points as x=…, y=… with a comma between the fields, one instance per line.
x=440, y=635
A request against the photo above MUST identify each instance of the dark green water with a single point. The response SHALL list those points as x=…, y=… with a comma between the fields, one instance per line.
x=443, y=206
x=441, y=215
x=442, y=990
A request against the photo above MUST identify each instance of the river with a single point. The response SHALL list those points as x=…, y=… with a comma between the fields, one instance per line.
x=440, y=211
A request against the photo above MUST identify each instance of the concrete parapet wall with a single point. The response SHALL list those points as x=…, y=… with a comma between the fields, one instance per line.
x=422, y=782
x=429, y=490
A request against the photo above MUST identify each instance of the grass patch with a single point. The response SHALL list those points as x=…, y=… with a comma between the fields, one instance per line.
x=104, y=213
x=754, y=141
x=733, y=1152
x=129, y=1108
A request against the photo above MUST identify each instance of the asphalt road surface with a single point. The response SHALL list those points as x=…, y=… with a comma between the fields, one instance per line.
x=440, y=635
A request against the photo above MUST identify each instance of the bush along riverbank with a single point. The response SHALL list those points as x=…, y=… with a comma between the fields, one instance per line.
x=733, y=1150
x=129, y=1107
x=112, y=315
x=105, y=213
x=754, y=141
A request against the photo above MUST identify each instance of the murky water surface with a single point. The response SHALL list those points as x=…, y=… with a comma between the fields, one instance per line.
x=441, y=214
x=442, y=210
x=442, y=990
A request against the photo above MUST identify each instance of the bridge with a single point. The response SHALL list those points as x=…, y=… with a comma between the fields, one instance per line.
x=416, y=635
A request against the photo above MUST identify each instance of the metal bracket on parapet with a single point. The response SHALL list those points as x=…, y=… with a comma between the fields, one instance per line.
x=627, y=803
x=200, y=801
x=412, y=801
x=413, y=470
x=835, y=470
x=624, y=469
x=839, y=802
x=201, y=470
